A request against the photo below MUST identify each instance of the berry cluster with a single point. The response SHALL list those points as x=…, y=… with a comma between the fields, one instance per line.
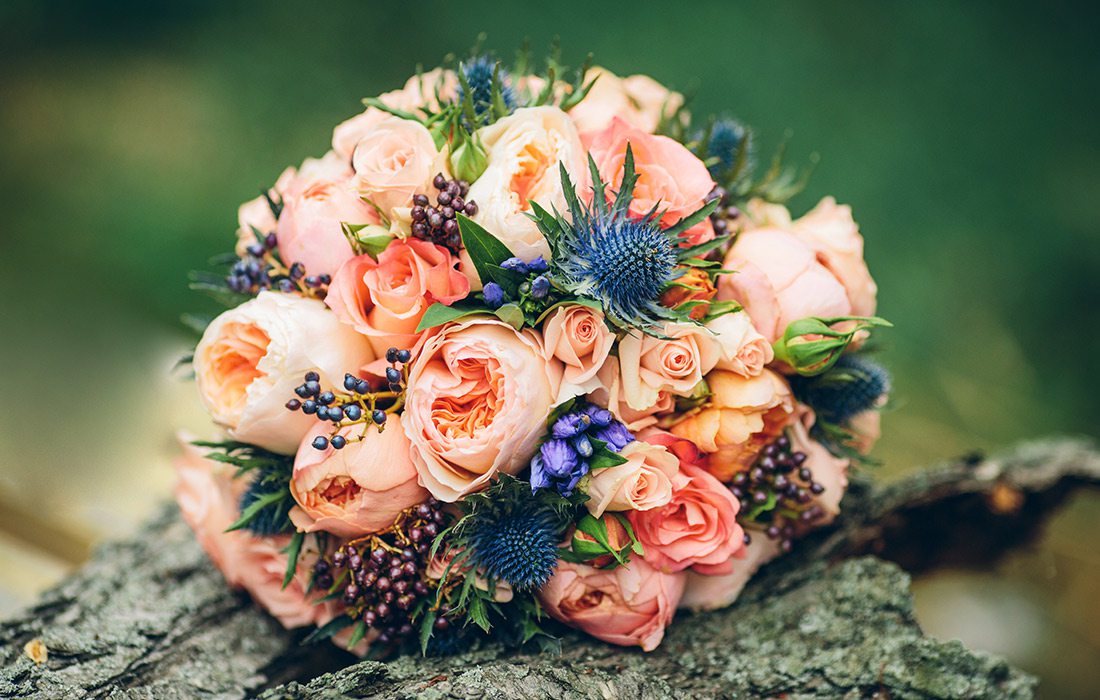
x=262, y=268
x=383, y=576
x=778, y=491
x=724, y=214
x=361, y=402
x=438, y=223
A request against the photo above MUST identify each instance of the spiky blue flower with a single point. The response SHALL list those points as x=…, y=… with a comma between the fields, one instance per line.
x=607, y=254
x=518, y=547
x=853, y=385
x=478, y=75
x=725, y=141
x=273, y=518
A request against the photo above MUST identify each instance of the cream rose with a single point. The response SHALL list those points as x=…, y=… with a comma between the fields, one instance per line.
x=479, y=393
x=743, y=350
x=639, y=100
x=643, y=482
x=676, y=363
x=250, y=359
x=579, y=338
x=524, y=151
x=393, y=161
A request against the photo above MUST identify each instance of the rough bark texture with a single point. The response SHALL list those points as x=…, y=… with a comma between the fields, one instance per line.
x=151, y=618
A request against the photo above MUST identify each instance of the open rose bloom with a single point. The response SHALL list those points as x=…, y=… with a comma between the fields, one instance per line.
x=515, y=349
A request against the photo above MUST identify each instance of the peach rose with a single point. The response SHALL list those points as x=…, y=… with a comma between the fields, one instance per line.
x=778, y=279
x=676, y=363
x=263, y=563
x=577, y=336
x=830, y=230
x=638, y=99
x=524, y=151
x=418, y=94
x=643, y=482
x=393, y=161
x=358, y=489
x=250, y=359
x=479, y=393
x=385, y=299
x=711, y=592
x=610, y=393
x=742, y=414
x=670, y=177
x=696, y=528
x=316, y=201
x=629, y=605
x=743, y=350
x=829, y=470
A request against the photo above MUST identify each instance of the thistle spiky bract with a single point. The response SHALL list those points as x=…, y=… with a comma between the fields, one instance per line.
x=623, y=261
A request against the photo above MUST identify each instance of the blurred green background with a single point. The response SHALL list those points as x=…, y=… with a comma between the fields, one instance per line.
x=964, y=134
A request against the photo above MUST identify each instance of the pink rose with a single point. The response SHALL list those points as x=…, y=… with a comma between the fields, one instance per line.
x=643, y=482
x=743, y=350
x=358, y=489
x=639, y=100
x=676, y=363
x=830, y=230
x=263, y=562
x=711, y=592
x=741, y=415
x=385, y=299
x=318, y=199
x=578, y=336
x=479, y=393
x=395, y=160
x=610, y=393
x=670, y=177
x=696, y=528
x=629, y=605
x=251, y=357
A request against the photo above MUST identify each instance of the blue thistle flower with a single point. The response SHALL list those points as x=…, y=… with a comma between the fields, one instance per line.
x=478, y=83
x=852, y=386
x=727, y=138
x=272, y=519
x=518, y=547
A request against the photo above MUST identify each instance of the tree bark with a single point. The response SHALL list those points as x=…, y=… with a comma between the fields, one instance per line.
x=151, y=618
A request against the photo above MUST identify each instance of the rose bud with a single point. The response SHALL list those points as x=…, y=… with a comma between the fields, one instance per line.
x=694, y=285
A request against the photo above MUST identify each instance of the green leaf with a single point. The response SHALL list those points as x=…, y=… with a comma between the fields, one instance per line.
x=603, y=457
x=427, y=626
x=478, y=613
x=761, y=508
x=512, y=315
x=254, y=509
x=357, y=634
x=691, y=219
x=334, y=626
x=293, y=550
x=438, y=314
x=812, y=346
x=487, y=252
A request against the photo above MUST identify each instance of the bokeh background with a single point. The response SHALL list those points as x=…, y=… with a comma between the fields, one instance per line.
x=964, y=134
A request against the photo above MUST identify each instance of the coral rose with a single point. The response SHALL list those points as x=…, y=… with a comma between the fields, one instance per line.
x=358, y=489
x=830, y=230
x=578, y=336
x=479, y=393
x=741, y=415
x=385, y=299
x=629, y=605
x=316, y=202
x=744, y=350
x=711, y=591
x=638, y=99
x=393, y=161
x=696, y=528
x=252, y=357
x=676, y=363
x=643, y=482
x=670, y=177
x=524, y=151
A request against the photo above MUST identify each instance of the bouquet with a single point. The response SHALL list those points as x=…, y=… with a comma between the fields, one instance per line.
x=525, y=349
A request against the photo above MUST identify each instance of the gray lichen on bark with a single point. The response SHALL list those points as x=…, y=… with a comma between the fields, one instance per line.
x=151, y=618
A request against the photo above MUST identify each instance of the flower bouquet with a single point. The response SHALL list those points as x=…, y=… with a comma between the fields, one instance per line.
x=523, y=348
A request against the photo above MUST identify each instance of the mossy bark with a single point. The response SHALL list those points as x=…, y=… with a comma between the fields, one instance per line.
x=151, y=618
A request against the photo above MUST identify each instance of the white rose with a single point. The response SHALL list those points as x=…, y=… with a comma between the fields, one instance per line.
x=524, y=150
x=250, y=359
x=743, y=349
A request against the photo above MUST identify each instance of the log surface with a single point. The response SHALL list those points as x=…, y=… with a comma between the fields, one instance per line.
x=151, y=617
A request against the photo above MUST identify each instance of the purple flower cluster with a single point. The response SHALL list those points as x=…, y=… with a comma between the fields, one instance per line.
x=563, y=458
x=538, y=287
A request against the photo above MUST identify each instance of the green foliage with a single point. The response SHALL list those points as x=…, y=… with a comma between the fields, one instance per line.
x=269, y=473
x=812, y=345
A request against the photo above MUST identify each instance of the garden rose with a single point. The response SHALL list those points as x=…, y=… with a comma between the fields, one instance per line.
x=385, y=299
x=643, y=482
x=830, y=230
x=696, y=528
x=638, y=99
x=395, y=160
x=579, y=338
x=742, y=414
x=358, y=489
x=629, y=605
x=676, y=363
x=711, y=591
x=250, y=359
x=670, y=177
x=479, y=393
x=316, y=201
x=524, y=151
x=263, y=562
x=743, y=350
